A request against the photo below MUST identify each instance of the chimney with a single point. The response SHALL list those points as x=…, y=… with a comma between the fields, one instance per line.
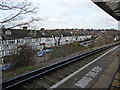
x=25, y=28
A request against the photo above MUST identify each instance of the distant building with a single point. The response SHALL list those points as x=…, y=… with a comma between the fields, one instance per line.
x=38, y=39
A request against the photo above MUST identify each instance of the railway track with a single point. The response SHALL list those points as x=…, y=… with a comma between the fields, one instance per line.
x=46, y=77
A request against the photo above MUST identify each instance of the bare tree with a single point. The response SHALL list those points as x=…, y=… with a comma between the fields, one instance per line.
x=75, y=34
x=57, y=41
x=13, y=13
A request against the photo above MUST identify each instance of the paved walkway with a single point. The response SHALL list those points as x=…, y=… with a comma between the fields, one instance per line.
x=107, y=76
x=95, y=74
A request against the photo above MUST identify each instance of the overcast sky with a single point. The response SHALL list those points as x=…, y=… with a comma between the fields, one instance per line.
x=72, y=14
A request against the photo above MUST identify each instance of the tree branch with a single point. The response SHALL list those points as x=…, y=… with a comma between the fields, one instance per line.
x=23, y=8
x=20, y=24
x=7, y=20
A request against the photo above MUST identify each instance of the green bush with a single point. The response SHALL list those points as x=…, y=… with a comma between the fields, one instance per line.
x=75, y=44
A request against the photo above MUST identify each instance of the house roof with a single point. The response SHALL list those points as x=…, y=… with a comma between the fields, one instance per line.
x=20, y=33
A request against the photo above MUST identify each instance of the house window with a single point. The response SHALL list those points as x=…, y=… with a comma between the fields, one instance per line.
x=7, y=32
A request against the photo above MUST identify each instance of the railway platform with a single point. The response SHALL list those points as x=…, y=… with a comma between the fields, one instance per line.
x=98, y=74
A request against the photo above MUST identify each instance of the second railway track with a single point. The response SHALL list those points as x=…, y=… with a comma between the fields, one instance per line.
x=46, y=77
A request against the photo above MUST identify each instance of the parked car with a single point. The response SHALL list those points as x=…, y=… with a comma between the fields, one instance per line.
x=41, y=53
x=6, y=66
x=48, y=50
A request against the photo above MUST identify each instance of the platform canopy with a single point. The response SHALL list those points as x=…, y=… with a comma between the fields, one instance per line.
x=112, y=7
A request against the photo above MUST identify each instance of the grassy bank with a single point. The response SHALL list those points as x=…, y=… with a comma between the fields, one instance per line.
x=65, y=50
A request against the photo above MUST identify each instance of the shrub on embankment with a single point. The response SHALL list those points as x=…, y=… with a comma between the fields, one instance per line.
x=65, y=50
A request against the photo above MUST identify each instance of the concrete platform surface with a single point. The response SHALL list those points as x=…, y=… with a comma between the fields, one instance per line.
x=96, y=74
